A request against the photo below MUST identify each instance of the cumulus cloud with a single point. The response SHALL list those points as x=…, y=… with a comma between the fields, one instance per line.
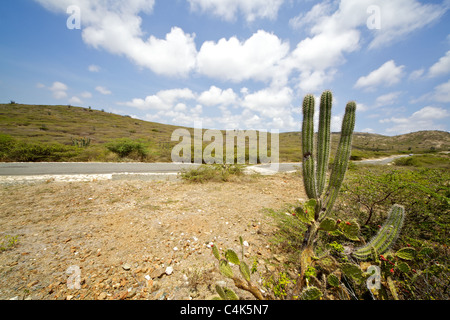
x=441, y=67
x=388, y=74
x=256, y=58
x=59, y=90
x=116, y=27
x=269, y=102
x=217, y=96
x=228, y=9
x=265, y=108
x=337, y=31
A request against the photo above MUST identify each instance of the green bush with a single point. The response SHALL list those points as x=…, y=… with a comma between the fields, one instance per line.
x=12, y=150
x=125, y=147
x=407, y=161
x=25, y=152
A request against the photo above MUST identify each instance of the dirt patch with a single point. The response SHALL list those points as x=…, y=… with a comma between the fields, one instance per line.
x=133, y=239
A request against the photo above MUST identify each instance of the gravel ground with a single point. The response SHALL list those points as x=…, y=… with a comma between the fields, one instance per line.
x=123, y=239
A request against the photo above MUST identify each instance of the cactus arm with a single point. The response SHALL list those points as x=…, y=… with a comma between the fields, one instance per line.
x=341, y=159
x=323, y=140
x=308, y=165
x=386, y=236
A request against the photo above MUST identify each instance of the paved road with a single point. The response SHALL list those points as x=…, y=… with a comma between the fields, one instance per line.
x=66, y=168
x=288, y=167
x=86, y=168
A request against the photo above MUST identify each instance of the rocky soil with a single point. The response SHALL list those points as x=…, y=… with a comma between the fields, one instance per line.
x=134, y=239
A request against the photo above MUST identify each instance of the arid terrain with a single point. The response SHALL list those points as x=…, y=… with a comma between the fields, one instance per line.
x=134, y=239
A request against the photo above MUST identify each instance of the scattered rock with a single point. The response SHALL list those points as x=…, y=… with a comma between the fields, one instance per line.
x=126, y=267
x=169, y=270
x=157, y=273
x=102, y=296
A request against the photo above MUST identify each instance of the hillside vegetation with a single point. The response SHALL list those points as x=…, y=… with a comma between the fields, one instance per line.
x=68, y=133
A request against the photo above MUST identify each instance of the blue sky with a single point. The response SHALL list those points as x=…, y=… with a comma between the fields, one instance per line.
x=232, y=64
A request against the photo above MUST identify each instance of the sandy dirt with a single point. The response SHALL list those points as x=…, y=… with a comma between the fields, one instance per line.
x=134, y=239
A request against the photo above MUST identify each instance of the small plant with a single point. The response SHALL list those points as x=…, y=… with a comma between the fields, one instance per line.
x=8, y=242
x=81, y=142
x=243, y=281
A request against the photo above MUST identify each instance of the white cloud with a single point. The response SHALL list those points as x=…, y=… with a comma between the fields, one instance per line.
x=401, y=18
x=388, y=74
x=335, y=32
x=442, y=92
x=217, y=96
x=423, y=119
x=256, y=58
x=116, y=27
x=94, y=68
x=103, y=90
x=269, y=102
x=441, y=67
x=387, y=99
x=266, y=108
x=75, y=100
x=228, y=9
x=162, y=100
x=58, y=86
x=416, y=74
x=59, y=90
x=318, y=11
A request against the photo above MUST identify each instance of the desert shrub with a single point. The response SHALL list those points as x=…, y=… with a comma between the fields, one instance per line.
x=212, y=172
x=125, y=147
x=407, y=161
x=6, y=144
x=32, y=152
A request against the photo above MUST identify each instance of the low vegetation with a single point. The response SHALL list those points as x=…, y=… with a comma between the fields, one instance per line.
x=213, y=172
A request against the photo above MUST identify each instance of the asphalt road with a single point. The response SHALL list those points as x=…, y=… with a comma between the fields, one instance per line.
x=74, y=168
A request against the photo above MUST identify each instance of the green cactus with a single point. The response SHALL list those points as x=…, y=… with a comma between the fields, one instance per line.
x=314, y=181
x=385, y=237
x=308, y=164
x=225, y=268
x=314, y=167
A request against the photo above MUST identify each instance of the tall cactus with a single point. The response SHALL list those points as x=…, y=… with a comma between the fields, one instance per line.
x=314, y=167
x=308, y=165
